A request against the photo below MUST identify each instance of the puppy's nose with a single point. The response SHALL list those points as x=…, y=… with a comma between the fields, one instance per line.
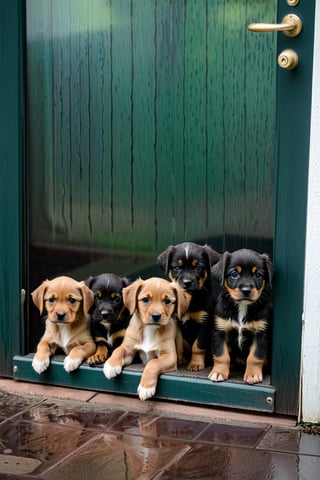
x=187, y=283
x=60, y=316
x=246, y=291
x=156, y=317
x=105, y=314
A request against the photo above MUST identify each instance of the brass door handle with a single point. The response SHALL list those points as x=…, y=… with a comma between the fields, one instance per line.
x=291, y=26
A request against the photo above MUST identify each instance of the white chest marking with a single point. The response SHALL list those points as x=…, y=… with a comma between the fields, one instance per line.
x=148, y=348
x=242, y=312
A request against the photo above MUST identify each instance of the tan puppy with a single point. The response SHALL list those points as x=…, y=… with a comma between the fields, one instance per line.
x=66, y=302
x=152, y=331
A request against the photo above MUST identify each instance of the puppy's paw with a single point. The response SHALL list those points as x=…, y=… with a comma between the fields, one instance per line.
x=196, y=367
x=111, y=372
x=40, y=365
x=216, y=376
x=252, y=377
x=145, y=393
x=71, y=364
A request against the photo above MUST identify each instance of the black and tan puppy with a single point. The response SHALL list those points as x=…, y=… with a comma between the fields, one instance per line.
x=189, y=264
x=152, y=332
x=243, y=314
x=109, y=316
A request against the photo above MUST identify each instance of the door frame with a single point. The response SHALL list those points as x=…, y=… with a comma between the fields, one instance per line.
x=291, y=196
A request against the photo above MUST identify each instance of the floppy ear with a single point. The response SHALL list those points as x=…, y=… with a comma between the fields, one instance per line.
x=87, y=296
x=130, y=295
x=89, y=281
x=213, y=256
x=183, y=301
x=269, y=266
x=38, y=295
x=217, y=271
x=125, y=281
x=164, y=258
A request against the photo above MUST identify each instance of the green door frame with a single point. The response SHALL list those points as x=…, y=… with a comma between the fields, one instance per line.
x=12, y=179
x=290, y=200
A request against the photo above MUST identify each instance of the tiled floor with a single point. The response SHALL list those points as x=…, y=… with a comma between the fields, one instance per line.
x=64, y=434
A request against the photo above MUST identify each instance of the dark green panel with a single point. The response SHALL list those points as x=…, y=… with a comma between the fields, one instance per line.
x=188, y=388
x=157, y=123
x=12, y=268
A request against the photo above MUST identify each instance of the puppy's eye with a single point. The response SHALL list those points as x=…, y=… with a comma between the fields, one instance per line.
x=117, y=300
x=176, y=268
x=166, y=301
x=198, y=268
x=145, y=300
x=234, y=274
x=51, y=300
x=72, y=300
x=258, y=276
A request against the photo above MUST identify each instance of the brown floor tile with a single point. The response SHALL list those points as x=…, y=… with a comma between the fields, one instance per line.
x=205, y=462
x=30, y=448
x=291, y=440
x=119, y=457
x=81, y=415
x=230, y=434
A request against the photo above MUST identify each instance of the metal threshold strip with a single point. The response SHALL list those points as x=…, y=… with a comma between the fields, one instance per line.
x=181, y=386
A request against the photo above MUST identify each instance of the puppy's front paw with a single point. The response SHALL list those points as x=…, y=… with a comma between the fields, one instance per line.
x=253, y=377
x=40, y=365
x=216, y=376
x=111, y=372
x=71, y=364
x=145, y=393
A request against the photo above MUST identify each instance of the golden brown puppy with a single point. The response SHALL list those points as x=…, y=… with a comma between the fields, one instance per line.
x=152, y=331
x=66, y=302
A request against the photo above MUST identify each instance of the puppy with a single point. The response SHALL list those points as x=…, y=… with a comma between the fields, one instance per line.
x=109, y=316
x=189, y=265
x=152, y=331
x=66, y=303
x=243, y=314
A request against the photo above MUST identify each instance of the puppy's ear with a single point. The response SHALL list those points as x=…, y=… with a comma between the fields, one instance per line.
x=213, y=256
x=89, y=281
x=38, y=295
x=130, y=295
x=164, y=259
x=183, y=301
x=268, y=266
x=88, y=297
x=218, y=270
x=125, y=281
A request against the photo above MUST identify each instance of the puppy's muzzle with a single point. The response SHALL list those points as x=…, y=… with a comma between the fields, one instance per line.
x=155, y=318
x=61, y=317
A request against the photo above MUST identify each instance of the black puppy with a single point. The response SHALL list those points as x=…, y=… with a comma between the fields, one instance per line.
x=243, y=314
x=109, y=317
x=189, y=264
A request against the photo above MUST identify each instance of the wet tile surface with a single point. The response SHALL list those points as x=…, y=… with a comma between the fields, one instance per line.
x=13, y=404
x=70, y=440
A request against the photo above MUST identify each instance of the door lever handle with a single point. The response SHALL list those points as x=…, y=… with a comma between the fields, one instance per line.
x=291, y=26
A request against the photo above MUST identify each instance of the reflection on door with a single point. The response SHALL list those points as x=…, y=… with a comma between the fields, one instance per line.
x=149, y=123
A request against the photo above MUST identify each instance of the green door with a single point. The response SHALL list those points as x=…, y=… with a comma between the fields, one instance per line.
x=155, y=122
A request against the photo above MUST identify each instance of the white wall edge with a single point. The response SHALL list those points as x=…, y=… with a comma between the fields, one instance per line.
x=310, y=406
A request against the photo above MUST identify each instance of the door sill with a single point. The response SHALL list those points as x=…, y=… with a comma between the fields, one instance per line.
x=181, y=386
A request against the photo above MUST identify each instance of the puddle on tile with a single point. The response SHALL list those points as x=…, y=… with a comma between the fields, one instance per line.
x=12, y=404
x=159, y=427
x=37, y=446
x=119, y=457
x=294, y=440
x=72, y=414
x=230, y=434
